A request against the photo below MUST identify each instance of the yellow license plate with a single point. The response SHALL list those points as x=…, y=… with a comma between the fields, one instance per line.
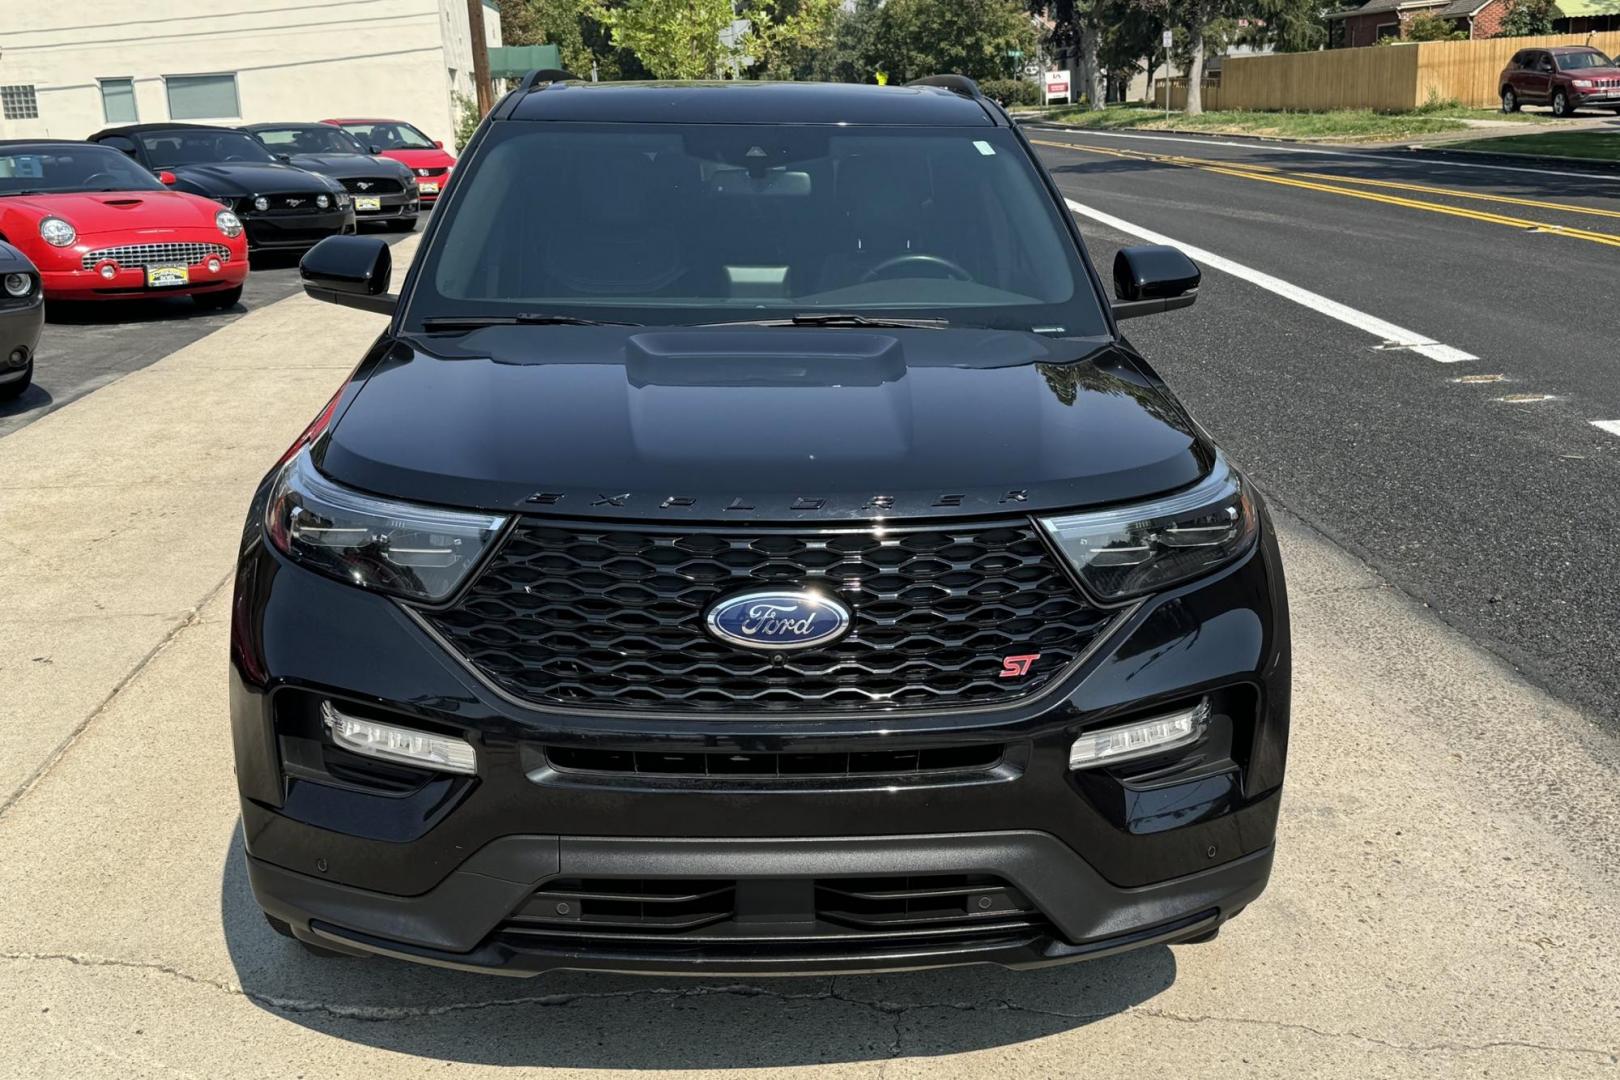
x=429, y=189
x=166, y=277
x=367, y=202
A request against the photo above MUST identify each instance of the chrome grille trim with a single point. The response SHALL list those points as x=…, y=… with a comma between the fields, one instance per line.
x=145, y=254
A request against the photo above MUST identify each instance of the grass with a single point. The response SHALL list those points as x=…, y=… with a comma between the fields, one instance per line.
x=1591, y=145
x=1344, y=125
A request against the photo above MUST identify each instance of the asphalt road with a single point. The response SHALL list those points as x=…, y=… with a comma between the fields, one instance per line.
x=88, y=345
x=1484, y=487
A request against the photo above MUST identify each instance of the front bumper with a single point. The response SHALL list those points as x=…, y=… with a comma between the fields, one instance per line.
x=129, y=282
x=21, y=322
x=1111, y=859
x=268, y=230
x=1605, y=98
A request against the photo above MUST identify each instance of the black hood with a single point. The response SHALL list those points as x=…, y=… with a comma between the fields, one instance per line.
x=362, y=166
x=249, y=178
x=760, y=424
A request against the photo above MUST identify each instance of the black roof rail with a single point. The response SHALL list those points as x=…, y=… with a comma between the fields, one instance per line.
x=534, y=80
x=959, y=84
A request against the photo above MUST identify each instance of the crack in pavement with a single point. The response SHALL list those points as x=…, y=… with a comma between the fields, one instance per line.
x=193, y=617
x=896, y=1011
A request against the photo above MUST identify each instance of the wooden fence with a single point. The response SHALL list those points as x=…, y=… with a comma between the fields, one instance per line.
x=1387, y=78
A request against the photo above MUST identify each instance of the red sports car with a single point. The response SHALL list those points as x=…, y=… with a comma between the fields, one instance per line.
x=404, y=143
x=98, y=226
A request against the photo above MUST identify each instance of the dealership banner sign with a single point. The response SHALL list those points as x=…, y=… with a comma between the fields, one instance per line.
x=1057, y=86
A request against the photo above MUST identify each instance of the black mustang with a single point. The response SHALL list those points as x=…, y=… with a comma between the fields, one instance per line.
x=22, y=314
x=382, y=189
x=280, y=205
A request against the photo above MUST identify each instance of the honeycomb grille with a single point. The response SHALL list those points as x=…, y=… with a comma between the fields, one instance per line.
x=586, y=616
x=372, y=185
x=143, y=254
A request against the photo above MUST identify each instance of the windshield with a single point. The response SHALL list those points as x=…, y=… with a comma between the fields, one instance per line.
x=314, y=139
x=54, y=170
x=200, y=146
x=388, y=135
x=1577, y=60
x=689, y=224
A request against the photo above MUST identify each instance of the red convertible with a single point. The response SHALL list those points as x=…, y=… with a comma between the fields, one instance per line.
x=98, y=226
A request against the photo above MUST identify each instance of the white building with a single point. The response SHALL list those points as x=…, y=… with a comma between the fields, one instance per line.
x=69, y=68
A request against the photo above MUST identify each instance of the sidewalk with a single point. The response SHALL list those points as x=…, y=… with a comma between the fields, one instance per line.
x=1444, y=903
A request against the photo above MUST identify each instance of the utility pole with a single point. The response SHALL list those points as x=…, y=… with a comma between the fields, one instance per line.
x=480, y=51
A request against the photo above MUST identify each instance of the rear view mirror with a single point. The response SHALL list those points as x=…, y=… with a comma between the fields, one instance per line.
x=1153, y=278
x=350, y=270
x=167, y=178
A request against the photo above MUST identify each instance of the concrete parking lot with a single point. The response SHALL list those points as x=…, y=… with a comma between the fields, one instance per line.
x=1444, y=903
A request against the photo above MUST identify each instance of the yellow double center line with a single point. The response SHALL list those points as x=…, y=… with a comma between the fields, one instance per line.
x=1313, y=182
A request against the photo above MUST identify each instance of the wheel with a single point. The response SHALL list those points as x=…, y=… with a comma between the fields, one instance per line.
x=1510, y=100
x=1560, y=104
x=217, y=301
x=286, y=931
x=14, y=390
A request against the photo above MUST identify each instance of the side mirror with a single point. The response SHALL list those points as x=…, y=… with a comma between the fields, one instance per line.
x=438, y=143
x=1153, y=278
x=167, y=178
x=375, y=149
x=283, y=158
x=350, y=270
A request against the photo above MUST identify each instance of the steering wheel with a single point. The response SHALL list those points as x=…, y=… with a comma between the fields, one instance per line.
x=100, y=177
x=234, y=157
x=953, y=270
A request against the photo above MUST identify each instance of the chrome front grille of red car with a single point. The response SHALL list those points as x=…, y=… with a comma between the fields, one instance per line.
x=150, y=254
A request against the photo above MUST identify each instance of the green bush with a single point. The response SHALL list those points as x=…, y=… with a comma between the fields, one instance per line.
x=1012, y=91
x=467, y=118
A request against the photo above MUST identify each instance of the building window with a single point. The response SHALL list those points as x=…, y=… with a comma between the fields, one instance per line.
x=202, y=97
x=19, y=103
x=118, y=101
x=1389, y=30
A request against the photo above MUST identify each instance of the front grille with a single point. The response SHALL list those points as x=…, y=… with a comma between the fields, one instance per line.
x=371, y=185
x=593, y=616
x=151, y=254
x=298, y=202
x=802, y=912
x=941, y=759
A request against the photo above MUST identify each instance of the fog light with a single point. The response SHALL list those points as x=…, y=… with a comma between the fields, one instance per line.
x=108, y=270
x=1152, y=736
x=398, y=744
x=261, y=203
x=19, y=357
x=322, y=201
x=213, y=265
x=19, y=284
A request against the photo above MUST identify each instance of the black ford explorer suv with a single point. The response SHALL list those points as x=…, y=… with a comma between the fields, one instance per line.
x=751, y=547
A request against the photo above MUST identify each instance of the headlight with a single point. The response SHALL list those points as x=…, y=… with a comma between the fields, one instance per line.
x=19, y=284
x=1583, y=83
x=323, y=201
x=420, y=552
x=261, y=203
x=342, y=198
x=56, y=232
x=228, y=223
x=1145, y=548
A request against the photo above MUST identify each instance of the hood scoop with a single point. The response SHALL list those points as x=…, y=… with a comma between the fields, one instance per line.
x=785, y=357
x=126, y=201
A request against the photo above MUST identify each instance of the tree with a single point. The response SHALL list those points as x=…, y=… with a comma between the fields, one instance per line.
x=675, y=39
x=850, y=55
x=1525, y=18
x=976, y=38
x=1426, y=26
x=573, y=27
x=785, y=35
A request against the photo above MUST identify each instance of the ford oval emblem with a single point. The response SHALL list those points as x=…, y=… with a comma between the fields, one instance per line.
x=779, y=620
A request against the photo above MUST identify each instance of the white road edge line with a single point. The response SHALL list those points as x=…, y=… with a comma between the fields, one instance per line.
x=1386, y=332
x=1386, y=159
x=1611, y=426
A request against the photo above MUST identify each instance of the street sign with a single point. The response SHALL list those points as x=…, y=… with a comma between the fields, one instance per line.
x=1057, y=85
x=1169, y=39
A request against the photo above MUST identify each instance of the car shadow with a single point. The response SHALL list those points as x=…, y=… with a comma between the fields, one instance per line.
x=600, y=1021
x=35, y=397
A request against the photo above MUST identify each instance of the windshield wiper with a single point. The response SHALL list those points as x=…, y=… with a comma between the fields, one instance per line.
x=841, y=319
x=523, y=318
x=25, y=191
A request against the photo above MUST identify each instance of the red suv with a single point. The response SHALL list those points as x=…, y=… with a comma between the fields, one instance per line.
x=1566, y=78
